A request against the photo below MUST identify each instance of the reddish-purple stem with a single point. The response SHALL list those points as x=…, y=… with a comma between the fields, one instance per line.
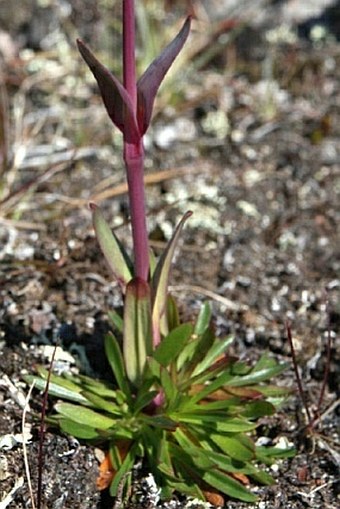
x=297, y=374
x=42, y=431
x=134, y=153
x=328, y=361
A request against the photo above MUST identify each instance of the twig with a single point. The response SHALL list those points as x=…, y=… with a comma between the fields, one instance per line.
x=297, y=374
x=24, y=445
x=42, y=431
x=328, y=361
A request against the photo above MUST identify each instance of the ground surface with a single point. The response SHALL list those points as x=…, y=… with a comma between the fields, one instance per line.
x=249, y=141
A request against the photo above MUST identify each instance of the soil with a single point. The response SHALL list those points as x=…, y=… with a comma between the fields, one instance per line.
x=249, y=142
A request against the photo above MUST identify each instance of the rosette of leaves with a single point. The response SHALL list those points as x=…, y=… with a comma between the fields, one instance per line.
x=185, y=407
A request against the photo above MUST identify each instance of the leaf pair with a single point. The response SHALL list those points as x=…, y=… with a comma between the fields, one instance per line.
x=116, y=99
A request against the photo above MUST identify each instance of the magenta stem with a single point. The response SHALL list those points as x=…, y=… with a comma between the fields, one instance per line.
x=134, y=153
x=135, y=177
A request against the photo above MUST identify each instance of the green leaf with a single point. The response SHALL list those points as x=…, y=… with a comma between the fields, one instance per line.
x=272, y=453
x=172, y=344
x=112, y=250
x=86, y=416
x=115, y=359
x=168, y=386
x=124, y=468
x=57, y=389
x=77, y=430
x=226, y=484
x=98, y=387
x=238, y=447
x=219, y=346
x=160, y=280
x=218, y=422
x=219, y=382
x=258, y=375
x=194, y=353
x=116, y=320
x=137, y=344
x=143, y=401
x=172, y=313
x=203, y=319
x=256, y=409
x=103, y=404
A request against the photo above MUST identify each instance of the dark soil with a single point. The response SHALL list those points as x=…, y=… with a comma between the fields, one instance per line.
x=257, y=160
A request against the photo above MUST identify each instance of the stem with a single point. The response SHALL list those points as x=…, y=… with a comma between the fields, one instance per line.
x=297, y=374
x=134, y=154
x=134, y=161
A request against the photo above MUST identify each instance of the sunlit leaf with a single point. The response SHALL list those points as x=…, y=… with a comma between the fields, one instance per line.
x=77, y=430
x=160, y=282
x=116, y=320
x=235, y=446
x=57, y=389
x=203, y=319
x=85, y=416
x=111, y=248
x=103, y=404
x=225, y=484
x=172, y=344
x=219, y=346
x=137, y=344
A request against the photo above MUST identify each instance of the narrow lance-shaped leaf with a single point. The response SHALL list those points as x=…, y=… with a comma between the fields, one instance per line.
x=86, y=416
x=160, y=282
x=111, y=248
x=137, y=328
x=116, y=99
x=149, y=83
x=116, y=361
x=171, y=345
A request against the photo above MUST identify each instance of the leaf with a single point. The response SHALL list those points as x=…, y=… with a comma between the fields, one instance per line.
x=116, y=99
x=103, y=404
x=218, y=422
x=124, y=469
x=111, y=248
x=137, y=343
x=170, y=347
x=77, y=430
x=194, y=353
x=116, y=361
x=219, y=346
x=256, y=409
x=56, y=389
x=172, y=313
x=116, y=320
x=86, y=416
x=160, y=279
x=168, y=386
x=225, y=484
x=258, y=375
x=150, y=81
x=235, y=446
x=203, y=319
